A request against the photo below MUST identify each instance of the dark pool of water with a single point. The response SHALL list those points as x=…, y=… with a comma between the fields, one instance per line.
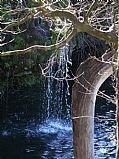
x=53, y=139
x=50, y=140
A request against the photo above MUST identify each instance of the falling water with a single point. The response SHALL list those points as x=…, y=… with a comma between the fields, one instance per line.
x=58, y=94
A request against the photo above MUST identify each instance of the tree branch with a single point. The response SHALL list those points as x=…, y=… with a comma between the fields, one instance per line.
x=66, y=14
x=90, y=10
x=82, y=27
x=18, y=22
x=41, y=47
x=77, y=27
x=110, y=37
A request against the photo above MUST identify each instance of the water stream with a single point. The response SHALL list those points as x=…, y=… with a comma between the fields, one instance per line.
x=58, y=93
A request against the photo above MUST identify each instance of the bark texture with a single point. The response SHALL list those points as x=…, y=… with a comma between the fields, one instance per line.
x=92, y=73
x=117, y=91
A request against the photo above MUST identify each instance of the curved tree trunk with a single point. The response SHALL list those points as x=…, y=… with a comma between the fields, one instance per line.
x=91, y=74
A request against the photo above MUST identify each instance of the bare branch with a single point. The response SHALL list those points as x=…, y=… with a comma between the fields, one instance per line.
x=82, y=27
x=107, y=36
x=16, y=33
x=48, y=10
x=3, y=44
x=90, y=10
x=15, y=23
x=41, y=47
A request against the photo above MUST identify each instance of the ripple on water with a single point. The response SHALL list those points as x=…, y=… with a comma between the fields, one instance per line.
x=105, y=141
x=52, y=127
x=53, y=139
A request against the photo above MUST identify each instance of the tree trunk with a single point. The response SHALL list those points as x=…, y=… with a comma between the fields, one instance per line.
x=91, y=74
x=117, y=89
x=117, y=113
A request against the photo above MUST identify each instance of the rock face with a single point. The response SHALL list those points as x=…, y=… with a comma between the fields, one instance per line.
x=91, y=74
x=85, y=46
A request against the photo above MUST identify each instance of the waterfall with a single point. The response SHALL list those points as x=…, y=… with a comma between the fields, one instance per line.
x=58, y=94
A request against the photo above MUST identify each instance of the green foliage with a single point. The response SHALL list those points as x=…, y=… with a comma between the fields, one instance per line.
x=30, y=4
x=53, y=38
x=7, y=66
x=5, y=16
x=3, y=85
x=17, y=64
x=29, y=80
x=42, y=24
x=19, y=43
